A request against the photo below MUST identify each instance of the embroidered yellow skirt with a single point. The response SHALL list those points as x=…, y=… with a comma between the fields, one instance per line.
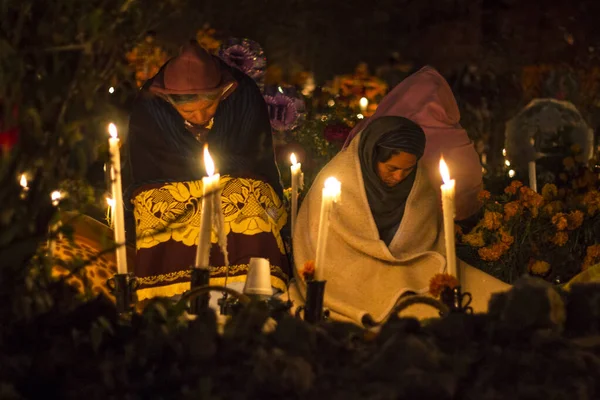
x=167, y=219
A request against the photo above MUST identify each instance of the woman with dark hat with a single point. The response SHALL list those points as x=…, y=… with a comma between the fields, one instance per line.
x=196, y=99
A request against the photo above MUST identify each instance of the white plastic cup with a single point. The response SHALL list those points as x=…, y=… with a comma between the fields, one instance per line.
x=258, y=281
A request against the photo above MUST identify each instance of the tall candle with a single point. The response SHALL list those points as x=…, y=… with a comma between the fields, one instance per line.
x=331, y=194
x=297, y=183
x=210, y=187
x=117, y=195
x=448, y=189
x=55, y=196
x=532, y=176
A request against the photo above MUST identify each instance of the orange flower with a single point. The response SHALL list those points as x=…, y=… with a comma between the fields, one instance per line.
x=549, y=191
x=591, y=200
x=537, y=267
x=483, y=196
x=308, y=270
x=532, y=200
x=506, y=238
x=592, y=256
x=492, y=252
x=513, y=187
x=474, y=239
x=560, y=238
x=560, y=221
x=574, y=219
x=439, y=282
x=511, y=209
x=492, y=220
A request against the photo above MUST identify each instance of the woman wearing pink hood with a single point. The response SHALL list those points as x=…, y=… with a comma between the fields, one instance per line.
x=426, y=99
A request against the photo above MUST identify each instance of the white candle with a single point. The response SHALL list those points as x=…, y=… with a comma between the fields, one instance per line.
x=364, y=104
x=210, y=187
x=448, y=189
x=110, y=212
x=532, y=176
x=117, y=195
x=297, y=183
x=331, y=194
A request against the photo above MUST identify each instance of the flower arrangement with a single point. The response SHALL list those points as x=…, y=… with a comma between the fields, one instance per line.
x=554, y=234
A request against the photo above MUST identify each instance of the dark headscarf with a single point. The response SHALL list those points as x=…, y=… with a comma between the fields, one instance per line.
x=388, y=203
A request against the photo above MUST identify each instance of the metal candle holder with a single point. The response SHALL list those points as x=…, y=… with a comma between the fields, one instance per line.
x=456, y=300
x=123, y=286
x=313, y=309
x=200, y=278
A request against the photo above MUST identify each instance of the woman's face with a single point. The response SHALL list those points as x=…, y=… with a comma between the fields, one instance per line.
x=198, y=112
x=397, y=168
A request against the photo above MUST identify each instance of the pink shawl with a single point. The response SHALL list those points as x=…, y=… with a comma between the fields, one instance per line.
x=426, y=98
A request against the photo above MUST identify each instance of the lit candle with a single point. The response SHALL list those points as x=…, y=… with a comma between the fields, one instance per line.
x=297, y=183
x=448, y=210
x=117, y=197
x=210, y=187
x=55, y=196
x=23, y=183
x=331, y=194
x=363, y=103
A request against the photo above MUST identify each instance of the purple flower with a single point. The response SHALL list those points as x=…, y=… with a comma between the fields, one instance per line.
x=245, y=55
x=283, y=112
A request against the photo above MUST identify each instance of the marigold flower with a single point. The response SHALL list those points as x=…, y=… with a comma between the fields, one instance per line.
x=441, y=281
x=308, y=270
x=483, y=196
x=569, y=163
x=592, y=256
x=474, y=239
x=492, y=220
x=511, y=209
x=513, y=187
x=549, y=191
x=591, y=200
x=538, y=267
x=560, y=238
x=574, y=220
x=506, y=238
x=560, y=221
x=492, y=252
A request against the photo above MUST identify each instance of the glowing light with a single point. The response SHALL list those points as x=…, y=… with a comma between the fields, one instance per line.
x=280, y=89
x=331, y=103
x=23, y=181
x=112, y=130
x=56, y=196
x=293, y=159
x=363, y=102
x=507, y=163
x=444, y=171
x=110, y=202
x=111, y=90
x=511, y=173
x=332, y=188
x=209, y=164
x=360, y=116
x=504, y=152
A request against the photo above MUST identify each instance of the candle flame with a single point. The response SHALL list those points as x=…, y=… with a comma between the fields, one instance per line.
x=112, y=130
x=110, y=202
x=363, y=102
x=293, y=159
x=333, y=188
x=209, y=164
x=23, y=181
x=444, y=171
